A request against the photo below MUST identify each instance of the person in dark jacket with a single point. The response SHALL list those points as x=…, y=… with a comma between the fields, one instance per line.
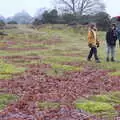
x=111, y=38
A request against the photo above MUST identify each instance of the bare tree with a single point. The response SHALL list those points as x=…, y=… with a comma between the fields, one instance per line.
x=81, y=6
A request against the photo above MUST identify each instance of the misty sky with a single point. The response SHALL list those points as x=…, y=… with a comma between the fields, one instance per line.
x=10, y=7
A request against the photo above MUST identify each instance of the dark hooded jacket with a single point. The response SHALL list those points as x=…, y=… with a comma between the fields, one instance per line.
x=111, y=37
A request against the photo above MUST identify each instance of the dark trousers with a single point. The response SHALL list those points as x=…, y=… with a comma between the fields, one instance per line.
x=93, y=51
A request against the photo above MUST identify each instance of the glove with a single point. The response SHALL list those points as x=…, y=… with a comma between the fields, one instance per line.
x=90, y=45
x=98, y=44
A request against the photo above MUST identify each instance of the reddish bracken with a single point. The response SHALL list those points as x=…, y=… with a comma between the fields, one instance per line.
x=34, y=85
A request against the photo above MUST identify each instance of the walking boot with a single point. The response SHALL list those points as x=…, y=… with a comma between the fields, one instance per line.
x=98, y=61
x=112, y=59
x=107, y=59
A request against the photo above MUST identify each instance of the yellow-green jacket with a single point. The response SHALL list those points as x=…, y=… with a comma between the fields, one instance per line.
x=92, y=37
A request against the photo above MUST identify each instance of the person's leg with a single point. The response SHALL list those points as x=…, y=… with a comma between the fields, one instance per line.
x=112, y=53
x=90, y=54
x=119, y=42
x=108, y=53
x=95, y=54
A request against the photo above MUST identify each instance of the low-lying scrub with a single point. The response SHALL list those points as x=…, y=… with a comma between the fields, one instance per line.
x=100, y=104
x=6, y=70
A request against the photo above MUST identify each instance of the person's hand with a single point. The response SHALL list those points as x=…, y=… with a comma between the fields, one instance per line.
x=98, y=44
x=90, y=45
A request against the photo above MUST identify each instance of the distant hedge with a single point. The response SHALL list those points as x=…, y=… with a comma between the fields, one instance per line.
x=12, y=22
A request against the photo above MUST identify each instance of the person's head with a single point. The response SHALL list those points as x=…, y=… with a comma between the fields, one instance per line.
x=93, y=26
x=113, y=26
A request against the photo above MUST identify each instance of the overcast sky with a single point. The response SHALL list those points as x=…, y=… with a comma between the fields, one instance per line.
x=10, y=7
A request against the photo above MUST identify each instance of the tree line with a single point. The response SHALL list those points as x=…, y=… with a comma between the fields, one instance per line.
x=76, y=12
x=102, y=19
x=69, y=12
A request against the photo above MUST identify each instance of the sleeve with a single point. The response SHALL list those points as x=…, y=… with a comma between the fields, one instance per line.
x=116, y=32
x=89, y=36
x=107, y=37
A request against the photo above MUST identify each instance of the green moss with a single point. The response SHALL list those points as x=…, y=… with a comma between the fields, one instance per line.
x=115, y=97
x=65, y=67
x=110, y=66
x=115, y=94
x=59, y=69
x=100, y=104
x=6, y=70
x=48, y=105
x=5, y=76
x=117, y=73
x=100, y=98
x=2, y=106
x=112, y=98
x=95, y=107
x=5, y=99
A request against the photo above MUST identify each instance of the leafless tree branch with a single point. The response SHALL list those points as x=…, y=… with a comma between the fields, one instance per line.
x=82, y=6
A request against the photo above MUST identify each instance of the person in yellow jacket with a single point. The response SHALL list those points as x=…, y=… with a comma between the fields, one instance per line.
x=93, y=43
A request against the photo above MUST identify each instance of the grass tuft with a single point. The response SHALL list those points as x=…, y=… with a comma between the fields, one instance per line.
x=6, y=70
x=95, y=107
x=6, y=99
x=48, y=105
